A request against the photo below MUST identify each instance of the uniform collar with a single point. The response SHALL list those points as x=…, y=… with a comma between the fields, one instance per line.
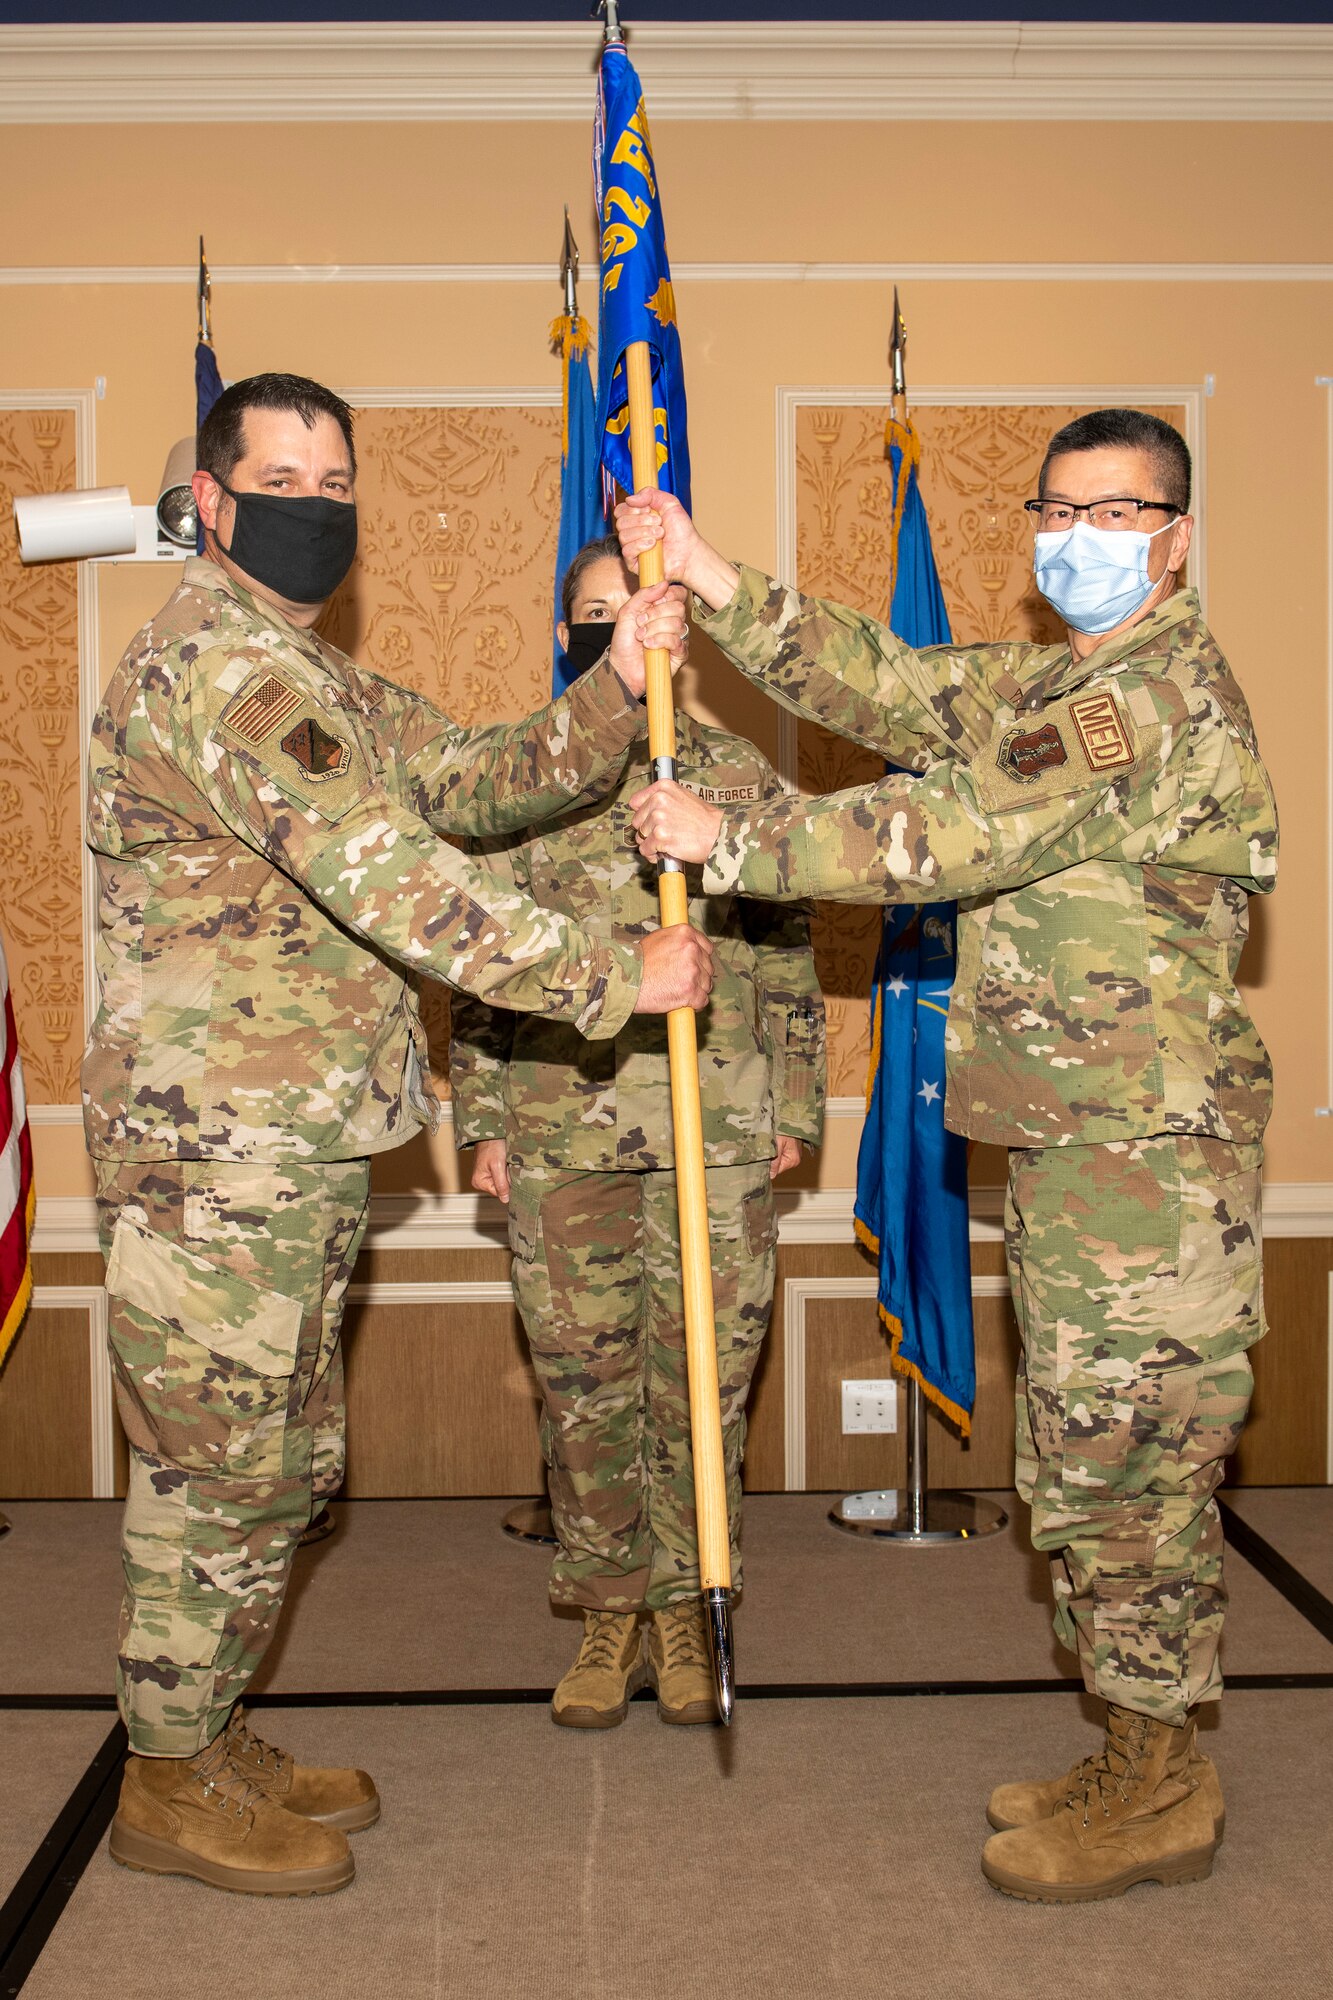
x=1058, y=673
x=201, y=573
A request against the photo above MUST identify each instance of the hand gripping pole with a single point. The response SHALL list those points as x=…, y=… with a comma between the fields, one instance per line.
x=710, y=1479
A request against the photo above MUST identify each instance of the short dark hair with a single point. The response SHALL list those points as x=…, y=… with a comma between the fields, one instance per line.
x=1129, y=430
x=221, y=440
x=590, y=553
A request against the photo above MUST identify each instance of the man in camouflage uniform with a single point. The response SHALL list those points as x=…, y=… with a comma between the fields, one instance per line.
x=576, y=1138
x=267, y=824
x=1101, y=811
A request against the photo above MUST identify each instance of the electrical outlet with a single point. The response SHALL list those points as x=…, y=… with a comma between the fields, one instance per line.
x=869, y=1406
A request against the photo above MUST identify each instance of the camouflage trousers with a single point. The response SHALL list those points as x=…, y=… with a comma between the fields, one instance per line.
x=226, y=1286
x=1136, y=1274
x=597, y=1280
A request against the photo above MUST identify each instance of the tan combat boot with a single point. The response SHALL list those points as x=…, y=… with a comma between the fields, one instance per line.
x=1137, y=1816
x=342, y=1798
x=1037, y=1798
x=595, y=1693
x=678, y=1663
x=201, y=1816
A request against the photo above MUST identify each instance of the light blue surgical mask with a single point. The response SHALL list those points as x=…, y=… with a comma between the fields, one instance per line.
x=1095, y=577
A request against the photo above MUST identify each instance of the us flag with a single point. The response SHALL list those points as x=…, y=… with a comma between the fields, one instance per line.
x=18, y=1199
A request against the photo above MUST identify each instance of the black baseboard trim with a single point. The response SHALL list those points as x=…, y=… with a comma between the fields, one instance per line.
x=532, y=1697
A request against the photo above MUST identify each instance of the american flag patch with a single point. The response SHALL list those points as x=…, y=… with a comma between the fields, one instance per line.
x=257, y=714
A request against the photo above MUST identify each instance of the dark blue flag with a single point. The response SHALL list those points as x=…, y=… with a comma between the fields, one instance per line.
x=637, y=300
x=581, y=517
x=207, y=389
x=911, y=1174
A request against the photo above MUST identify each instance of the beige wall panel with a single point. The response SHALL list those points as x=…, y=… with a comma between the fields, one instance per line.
x=440, y=1400
x=45, y=1409
x=477, y=193
x=1286, y=1439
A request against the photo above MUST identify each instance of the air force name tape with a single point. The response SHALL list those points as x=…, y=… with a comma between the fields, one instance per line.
x=720, y=795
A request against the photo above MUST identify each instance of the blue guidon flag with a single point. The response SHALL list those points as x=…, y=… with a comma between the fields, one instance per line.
x=911, y=1174
x=637, y=300
x=582, y=518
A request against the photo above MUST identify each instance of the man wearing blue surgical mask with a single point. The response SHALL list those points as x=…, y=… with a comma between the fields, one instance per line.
x=1106, y=554
x=1101, y=811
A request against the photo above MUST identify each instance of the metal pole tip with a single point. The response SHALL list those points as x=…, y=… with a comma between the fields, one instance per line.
x=717, y=1617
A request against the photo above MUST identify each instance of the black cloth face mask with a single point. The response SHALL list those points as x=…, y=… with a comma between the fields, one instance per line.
x=302, y=548
x=586, y=644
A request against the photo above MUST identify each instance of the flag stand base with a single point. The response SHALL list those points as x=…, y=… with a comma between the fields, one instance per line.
x=915, y=1514
x=530, y=1521
x=889, y=1516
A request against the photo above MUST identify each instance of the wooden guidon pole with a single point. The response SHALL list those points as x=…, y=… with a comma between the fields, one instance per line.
x=710, y=1479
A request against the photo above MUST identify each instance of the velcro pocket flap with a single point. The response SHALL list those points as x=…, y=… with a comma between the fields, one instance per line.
x=258, y=1329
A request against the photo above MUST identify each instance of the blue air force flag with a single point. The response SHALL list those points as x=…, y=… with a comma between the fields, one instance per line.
x=911, y=1174
x=637, y=300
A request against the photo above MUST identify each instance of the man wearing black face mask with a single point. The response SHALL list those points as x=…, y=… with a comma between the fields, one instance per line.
x=266, y=822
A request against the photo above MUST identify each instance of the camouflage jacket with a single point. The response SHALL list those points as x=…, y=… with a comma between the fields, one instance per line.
x=266, y=823
x=1102, y=823
x=608, y=1107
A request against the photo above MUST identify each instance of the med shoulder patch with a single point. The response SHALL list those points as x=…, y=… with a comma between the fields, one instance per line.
x=1102, y=732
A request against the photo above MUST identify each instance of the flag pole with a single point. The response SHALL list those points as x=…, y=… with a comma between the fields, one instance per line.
x=710, y=1479
x=922, y=1516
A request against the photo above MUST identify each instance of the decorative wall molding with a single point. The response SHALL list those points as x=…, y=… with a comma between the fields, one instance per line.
x=172, y=276
x=796, y=1296
x=67, y=1224
x=497, y=72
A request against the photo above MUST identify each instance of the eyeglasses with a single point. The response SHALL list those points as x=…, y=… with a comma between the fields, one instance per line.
x=1116, y=513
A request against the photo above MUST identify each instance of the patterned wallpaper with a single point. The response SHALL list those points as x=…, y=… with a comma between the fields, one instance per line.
x=40, y=802
x=452, y=591
x=978, y=465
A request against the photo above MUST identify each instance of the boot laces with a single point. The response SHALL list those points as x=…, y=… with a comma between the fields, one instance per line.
x=683, y=1641
x=601, y=1639
x=1108, y=1774
x=241, y=1737
x=223, y=1780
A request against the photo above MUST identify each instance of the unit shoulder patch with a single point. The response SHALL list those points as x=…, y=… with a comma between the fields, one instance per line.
x=318, y=752
x=1025, y=753
x=1102, y=732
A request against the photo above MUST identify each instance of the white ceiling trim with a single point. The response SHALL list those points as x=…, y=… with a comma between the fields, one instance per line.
x=192, y=73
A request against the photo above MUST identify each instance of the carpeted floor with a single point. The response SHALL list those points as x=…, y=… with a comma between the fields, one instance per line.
x=823, y=1848
x=826, y=1846
x=42, y=1758
x=430, y=1594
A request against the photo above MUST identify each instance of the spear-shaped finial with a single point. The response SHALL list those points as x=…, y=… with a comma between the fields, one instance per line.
x=205, y=299
x=612, y=31
x=898, y=356
x=569, y=268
